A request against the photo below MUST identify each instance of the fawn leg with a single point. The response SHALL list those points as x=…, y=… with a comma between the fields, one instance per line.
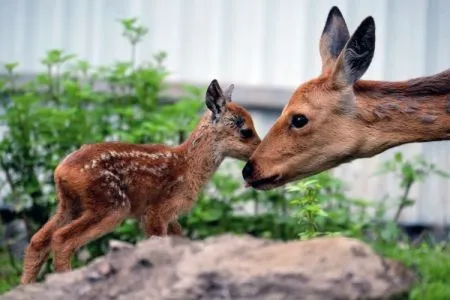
x=161, y=220
x=175, y=228
x=154, y=224
x=71, y=237
x=170, y=212
x=38, y=250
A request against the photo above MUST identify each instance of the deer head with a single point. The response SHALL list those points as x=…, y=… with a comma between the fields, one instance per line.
x=318, y=128
x=234, y=132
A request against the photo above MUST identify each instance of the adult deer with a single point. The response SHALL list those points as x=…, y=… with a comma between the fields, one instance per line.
x=99, y=185
x=337, y=118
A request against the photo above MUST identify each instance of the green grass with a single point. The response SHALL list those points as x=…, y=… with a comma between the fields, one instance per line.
x=432, y=265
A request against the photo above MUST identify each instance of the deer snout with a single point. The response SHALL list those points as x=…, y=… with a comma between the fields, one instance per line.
x=252, y=174
x=247, y=171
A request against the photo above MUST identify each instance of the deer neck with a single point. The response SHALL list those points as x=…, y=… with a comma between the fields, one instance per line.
x=202, y=154
x=396, y=113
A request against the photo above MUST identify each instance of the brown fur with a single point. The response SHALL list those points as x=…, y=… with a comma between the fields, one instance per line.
x=349, y=120
x=434, y=85
x=100, y=185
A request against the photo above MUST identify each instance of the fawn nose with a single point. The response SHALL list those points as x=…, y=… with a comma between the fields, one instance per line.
x=247, y=170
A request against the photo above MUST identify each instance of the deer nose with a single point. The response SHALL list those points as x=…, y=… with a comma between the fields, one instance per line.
x=247, y=170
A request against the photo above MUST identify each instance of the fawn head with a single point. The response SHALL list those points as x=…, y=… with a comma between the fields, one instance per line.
x=317, y=129
x=234, y=132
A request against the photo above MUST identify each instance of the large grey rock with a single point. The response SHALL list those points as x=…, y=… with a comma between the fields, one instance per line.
x=229, y=267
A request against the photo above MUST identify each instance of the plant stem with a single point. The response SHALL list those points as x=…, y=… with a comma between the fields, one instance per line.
x=181, y=136
x=50, y=81
x=403, y=201
x=133, y=54
x=12, y=80
x=57, y=81
x=256, y=202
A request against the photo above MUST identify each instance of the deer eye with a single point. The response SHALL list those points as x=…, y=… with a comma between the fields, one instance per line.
x=246, y=133
x=298, y=121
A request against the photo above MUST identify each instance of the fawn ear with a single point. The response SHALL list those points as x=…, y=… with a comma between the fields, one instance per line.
x=357, y=55
x=215, y=99
x=334, y=37
x=228, y=92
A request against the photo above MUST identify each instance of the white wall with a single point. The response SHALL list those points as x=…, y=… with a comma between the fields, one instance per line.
x=270, y=43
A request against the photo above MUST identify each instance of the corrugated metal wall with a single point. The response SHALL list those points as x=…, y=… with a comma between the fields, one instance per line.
x=270, y=43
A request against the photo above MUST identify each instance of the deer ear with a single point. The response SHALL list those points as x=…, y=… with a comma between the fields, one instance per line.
x=334, y=37
x=228, y=92
x=357, y=54
x=215, y=100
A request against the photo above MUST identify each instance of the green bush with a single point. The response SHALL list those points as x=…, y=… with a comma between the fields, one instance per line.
x=432, y=263
x=323, y=209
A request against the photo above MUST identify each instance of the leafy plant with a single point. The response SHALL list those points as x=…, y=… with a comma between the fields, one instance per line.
x=323, y=192
x=431, y=262
x=223, y=207
x=409, y=172
x=308, y=207
x=134, y=33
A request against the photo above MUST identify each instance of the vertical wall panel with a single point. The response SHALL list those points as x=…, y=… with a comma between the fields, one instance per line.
x=200, y=40
x=244, y=25
x=165, y=20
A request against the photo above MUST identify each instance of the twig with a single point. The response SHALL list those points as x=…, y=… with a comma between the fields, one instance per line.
x=403, y=201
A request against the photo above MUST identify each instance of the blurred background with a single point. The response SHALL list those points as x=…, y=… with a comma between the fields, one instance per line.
x=170, y=52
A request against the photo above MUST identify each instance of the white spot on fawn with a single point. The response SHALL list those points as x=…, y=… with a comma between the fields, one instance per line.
x=133, y=154
x=94, y=163
x=108, y=173
x=104, y=156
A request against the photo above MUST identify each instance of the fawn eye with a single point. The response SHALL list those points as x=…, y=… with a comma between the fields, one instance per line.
x=298, y=121
x=246, y=133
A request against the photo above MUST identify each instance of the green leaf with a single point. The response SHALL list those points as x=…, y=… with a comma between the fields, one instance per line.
x=408, y=202
x=11, y=66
